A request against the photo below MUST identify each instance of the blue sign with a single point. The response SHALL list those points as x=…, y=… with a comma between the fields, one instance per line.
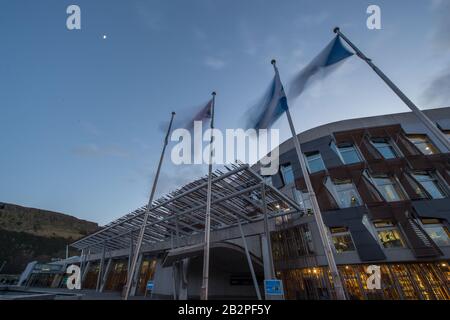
x=273, y=287
x=150, y=285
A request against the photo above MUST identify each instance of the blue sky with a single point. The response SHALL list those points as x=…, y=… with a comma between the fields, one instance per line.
x=81, y=115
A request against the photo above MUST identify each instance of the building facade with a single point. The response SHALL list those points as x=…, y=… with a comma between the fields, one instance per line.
x=383, y=186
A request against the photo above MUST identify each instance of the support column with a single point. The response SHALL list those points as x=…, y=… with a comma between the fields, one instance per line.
x=105, y=274
x=100, y=268
x=249, y=260
x=136, y=276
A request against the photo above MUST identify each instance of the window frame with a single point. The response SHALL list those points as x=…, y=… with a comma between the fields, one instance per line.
x=402, y=195
x=283, y=176
x=390, y=143
x=427, y=141
x=349, y=145
x=437, y=223
x=390, y=227
x=340, y=234
x=433, y=178
x=317, y=153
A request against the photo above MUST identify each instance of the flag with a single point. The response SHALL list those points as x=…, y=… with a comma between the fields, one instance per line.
x=270, y=108
x=333, y=53
x=204, y=113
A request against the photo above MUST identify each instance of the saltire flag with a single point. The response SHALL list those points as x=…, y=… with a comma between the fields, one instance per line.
x=270, y=108
x=274, y=102
x=333, y=53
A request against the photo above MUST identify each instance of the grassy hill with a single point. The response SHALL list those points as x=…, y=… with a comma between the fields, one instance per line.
x=28, y=234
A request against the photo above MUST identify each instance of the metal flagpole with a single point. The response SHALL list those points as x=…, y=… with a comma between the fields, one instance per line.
x=204, y=291
x=337, y=282
x=422, y=117
x=137, y=250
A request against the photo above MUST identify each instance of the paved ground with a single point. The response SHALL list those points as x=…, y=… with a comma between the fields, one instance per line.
x=63, y=294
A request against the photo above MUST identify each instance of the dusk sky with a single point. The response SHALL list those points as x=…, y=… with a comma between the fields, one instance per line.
x=81, y=114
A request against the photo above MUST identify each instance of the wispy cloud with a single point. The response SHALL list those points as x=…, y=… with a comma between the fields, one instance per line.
x=214, y=63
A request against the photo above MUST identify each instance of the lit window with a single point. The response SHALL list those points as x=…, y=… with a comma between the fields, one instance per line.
x=423, y=144
x=288, y=174
x=388, y=234
x=389, y=188
x=342, y=239
x=315, y=162
x=344, y=192
x=437, y=231
x=349, y=154
x=430, y=184
x=384, y=147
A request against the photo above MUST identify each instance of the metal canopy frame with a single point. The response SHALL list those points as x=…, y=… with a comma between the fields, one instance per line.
x=237, y=194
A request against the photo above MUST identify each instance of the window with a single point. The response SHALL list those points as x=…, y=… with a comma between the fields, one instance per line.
x=344, y=192
x=342, y=239
x=389, y=188
x=430, y=184
x=422, y=143
x=388, y=234
x=315, y=162
x=288, y=174
x=349, y=154
x=384, y=147
x=437, y=231
x=303, y=200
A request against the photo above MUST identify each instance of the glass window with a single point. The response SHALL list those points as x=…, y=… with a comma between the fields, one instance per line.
x=384, y=147
x=342, y=239
x=437, y=231
x=345, y=193
x=388, y=234
x=315, y=162
x=422, y=143
x=303, y=199
x=389, y=188
x=288, y=174
x=349, y=153
x=430, y=184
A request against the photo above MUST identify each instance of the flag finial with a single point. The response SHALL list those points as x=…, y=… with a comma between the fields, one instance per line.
x=336, y=30
x=173, y=113
x=213, y=93
x=273, y=62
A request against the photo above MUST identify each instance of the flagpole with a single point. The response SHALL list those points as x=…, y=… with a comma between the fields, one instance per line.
x=340, y=294
x=422, y=117
x=137, y=250
x=204, y=290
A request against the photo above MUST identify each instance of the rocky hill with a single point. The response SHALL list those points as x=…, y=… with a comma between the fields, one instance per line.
x=28, y=234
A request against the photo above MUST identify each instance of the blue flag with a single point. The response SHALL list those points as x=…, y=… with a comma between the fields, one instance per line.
x=271, y=107
x=333, y=53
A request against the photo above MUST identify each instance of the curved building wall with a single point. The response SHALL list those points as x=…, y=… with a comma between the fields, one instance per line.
x=382, y=184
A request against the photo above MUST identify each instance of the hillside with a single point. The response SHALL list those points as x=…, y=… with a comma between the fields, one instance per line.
x=28, y=234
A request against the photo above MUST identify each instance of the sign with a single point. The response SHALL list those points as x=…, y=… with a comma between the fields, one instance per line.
x=150, y=285
x=273, y=287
